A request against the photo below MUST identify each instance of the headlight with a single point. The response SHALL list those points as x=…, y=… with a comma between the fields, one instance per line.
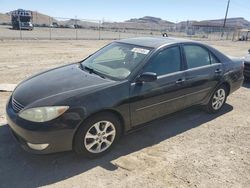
x=42, y=114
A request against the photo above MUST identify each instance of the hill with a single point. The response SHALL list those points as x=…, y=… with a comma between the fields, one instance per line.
x=146, y=22
x=79, y=23
x=233, y=22
x=38, y=18
x=5, y=19
x=150, y=19
x=42, y=19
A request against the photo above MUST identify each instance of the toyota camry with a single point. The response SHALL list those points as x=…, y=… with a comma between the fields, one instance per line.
x=86, y=106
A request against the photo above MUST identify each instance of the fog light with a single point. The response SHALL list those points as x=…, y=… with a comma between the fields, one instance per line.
x=38, y=146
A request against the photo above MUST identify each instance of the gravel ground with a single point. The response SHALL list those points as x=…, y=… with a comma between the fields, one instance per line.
x=187, y=149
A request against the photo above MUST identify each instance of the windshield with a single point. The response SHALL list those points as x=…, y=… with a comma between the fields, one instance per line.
x=116, y=60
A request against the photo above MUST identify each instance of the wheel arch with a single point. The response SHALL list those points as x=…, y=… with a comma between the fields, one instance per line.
x=227, y=85
x=111, y=111
x=81, y=126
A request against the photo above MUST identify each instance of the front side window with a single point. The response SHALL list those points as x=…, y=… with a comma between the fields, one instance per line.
x=196, y=56
x=213, y=59
x=165, y=62
x=116, y=60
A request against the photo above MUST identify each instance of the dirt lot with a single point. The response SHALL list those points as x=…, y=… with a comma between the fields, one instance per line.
x=187, y=149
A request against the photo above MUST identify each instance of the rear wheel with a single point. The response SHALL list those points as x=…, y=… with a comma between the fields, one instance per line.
x=97, y=135
x=217, y=100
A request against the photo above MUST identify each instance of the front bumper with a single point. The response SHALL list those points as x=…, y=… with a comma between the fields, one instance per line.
x=58, y=133
x=27, y=27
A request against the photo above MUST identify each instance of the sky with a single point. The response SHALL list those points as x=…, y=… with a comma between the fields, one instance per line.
x=121, y=10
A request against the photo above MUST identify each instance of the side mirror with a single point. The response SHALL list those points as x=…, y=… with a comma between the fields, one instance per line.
x=147, y=77
x=249, y=51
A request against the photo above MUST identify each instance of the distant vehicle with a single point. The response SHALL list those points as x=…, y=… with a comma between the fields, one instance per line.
x=22, y=19
x=87, y=106
x=247, y=66
x=70, y=26
x=165, y=34
x=54, y=24
x=77, y=26
x=244, y=34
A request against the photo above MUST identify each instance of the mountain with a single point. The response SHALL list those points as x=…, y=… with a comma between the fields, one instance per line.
x=79, y=23
x=238, y=22
x=146, y=22
x=159, y=24
x=150, y=19
x=42, y=19
x=38, y=18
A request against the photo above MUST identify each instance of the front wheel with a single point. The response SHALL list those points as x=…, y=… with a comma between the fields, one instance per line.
x=97, y=135
x=217, y=100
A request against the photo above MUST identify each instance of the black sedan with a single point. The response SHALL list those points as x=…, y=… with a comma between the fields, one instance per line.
x=87, y=106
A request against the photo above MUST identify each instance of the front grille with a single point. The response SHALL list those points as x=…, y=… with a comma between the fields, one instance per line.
x=17, y=107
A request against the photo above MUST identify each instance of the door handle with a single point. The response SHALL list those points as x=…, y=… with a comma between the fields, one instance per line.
x=180, y=81
x=218, y=71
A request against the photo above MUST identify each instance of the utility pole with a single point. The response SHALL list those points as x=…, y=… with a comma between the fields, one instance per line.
x=224, y=24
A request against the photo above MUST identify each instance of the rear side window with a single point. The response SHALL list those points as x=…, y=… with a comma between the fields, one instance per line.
x=196, y=56
x=165, y=62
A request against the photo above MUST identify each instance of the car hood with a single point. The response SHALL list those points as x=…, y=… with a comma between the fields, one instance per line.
x=57, y=82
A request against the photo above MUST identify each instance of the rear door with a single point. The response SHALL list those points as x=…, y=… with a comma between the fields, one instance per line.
x=203, y=72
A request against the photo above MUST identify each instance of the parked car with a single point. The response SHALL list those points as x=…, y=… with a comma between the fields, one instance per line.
x=247, y=66
x=243, y=34
x=87, y=106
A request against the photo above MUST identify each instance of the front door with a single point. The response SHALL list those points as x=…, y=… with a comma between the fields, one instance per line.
x=151, y=100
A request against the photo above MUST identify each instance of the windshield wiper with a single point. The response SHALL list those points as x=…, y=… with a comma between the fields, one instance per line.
x=91, y=70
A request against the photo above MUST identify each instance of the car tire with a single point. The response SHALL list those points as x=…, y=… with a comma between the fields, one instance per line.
x=97, y=135
x=217, y=100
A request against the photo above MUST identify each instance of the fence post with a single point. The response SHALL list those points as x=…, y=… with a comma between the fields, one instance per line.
x=136, y=28
x=99, y=30
x=233, y=36
x=21, y=36
x=50, y=28
x=76, y=27
x=222, y=33
x=207, y=32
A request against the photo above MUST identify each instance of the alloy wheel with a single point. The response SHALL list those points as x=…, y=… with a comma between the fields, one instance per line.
x=218, y=99
x=100, y=137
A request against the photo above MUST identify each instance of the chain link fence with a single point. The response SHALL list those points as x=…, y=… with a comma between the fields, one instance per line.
x=57, y=28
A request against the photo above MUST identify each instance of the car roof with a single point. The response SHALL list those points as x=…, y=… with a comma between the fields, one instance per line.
x=158, y=42
x=154, y=42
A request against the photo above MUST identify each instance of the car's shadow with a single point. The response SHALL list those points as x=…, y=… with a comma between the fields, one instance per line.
x=21, y=169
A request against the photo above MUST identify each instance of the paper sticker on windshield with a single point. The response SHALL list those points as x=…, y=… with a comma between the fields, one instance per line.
x=140, y=50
